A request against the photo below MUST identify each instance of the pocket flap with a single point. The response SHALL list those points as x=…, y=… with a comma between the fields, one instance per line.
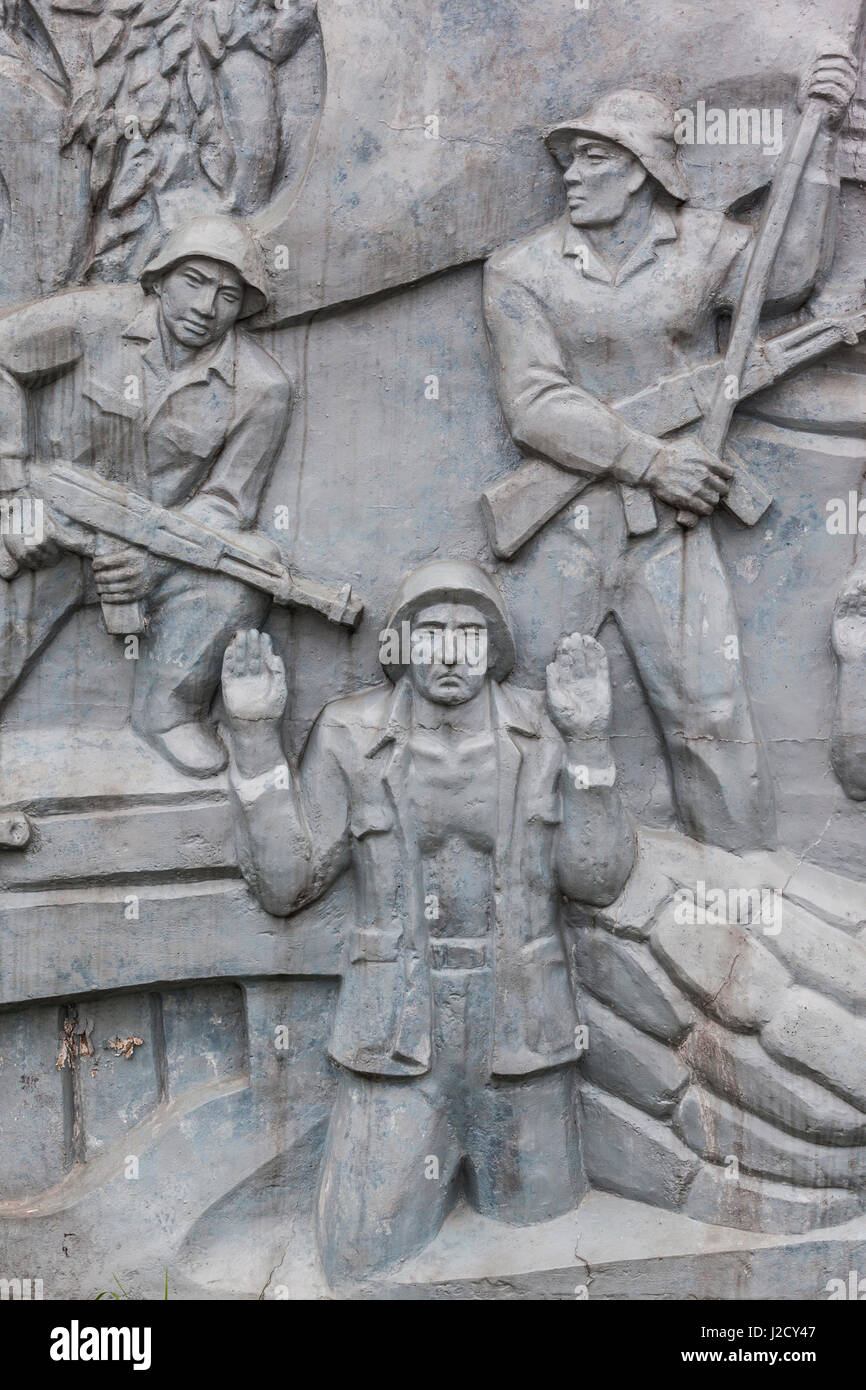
x=374, y=943
x=188, y=438
x=111, y=402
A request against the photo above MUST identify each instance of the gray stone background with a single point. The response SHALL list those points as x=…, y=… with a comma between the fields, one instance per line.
x=386, y=232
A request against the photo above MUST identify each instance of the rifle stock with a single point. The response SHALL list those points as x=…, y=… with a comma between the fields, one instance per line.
x=516, y=507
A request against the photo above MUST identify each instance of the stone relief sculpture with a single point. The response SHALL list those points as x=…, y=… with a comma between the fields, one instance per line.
x=726, y=1022
x=171, y=93
x=849, y=731
x=158, y=387
x=459, y=803
x=39, y=197
x=626, y=290
x=349, y=967
x=24, y=39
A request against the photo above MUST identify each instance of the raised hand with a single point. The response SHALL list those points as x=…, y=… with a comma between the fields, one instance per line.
x=578, y=688
x=253, y=679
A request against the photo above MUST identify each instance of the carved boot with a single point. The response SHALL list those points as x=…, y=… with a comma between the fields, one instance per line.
x=192, y=748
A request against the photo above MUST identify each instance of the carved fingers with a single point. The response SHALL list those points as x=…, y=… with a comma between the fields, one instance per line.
x=123, y=576
x=685, y=474
x=34, y=554
x=578, y=688
x=833, y=78
x=253, y=677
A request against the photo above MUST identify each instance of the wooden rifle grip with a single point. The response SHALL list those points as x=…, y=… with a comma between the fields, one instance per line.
x=121, y=619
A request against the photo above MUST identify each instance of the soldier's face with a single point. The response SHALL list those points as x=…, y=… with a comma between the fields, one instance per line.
x=599, y=181
x=449, y=652
x=201, y=300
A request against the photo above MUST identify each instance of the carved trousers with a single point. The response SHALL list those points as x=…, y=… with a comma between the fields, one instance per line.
x=671, y=598
x=191, y=617
x=400, y=1150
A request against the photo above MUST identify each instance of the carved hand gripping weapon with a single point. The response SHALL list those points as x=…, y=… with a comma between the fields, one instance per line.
x=518, y=506
x=110, y=510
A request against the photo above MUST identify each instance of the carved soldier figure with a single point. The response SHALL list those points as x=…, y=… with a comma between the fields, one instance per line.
x=466, y=809
x=848, y=739
x=626, y=288
x=154, y=386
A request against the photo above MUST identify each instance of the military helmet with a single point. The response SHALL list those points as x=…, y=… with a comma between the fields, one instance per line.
x=454, y=581
x=218, y=238
x=639, y=121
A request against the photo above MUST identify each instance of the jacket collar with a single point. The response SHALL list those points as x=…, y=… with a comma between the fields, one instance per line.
x=662, y=228
x=144, y=328
x=507, y=714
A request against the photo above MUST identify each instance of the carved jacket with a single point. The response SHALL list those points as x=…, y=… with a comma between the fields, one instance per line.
x=566, y=335
x=353, y=784
x=203, y=438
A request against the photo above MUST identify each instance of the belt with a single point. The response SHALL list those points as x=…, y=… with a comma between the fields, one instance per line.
x=460, y=954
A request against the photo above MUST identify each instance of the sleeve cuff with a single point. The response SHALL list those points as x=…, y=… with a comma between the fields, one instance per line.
x=634, y=461
x=248, y=790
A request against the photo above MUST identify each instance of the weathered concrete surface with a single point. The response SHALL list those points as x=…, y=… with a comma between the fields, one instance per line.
x=43, y=218
x=193, y=1024
x=399, y=205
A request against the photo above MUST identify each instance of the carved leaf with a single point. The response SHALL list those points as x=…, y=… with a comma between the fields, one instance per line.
x=289, y=28
x=215, y=152
x=111, y=231
x=136, y=171
x=175, y=47
x=78, y=6
x=214, y=162
x=80, y=116
x=102, y=160
x=105, y=38
x=208, y=37
x=144, y=70
x=110, y=76
x=224, y=15
x=179, y=21
x=155, y=12
x=152, y=105
x=138, y=42
x=198, y=81
x=259, y=30
x=125, y=7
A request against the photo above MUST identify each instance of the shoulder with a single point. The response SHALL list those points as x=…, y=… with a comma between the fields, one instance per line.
x=260, y=376
x=364, y=709
x=711, y=230
x=521, y=259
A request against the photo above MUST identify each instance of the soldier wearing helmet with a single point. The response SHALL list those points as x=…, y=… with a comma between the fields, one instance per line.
x=628, y=286
x=466, y=809
x=158, y=387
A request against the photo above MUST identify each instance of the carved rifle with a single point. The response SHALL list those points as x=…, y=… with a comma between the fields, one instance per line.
x=108, y=509
x=519, y=505
x=747, y=314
